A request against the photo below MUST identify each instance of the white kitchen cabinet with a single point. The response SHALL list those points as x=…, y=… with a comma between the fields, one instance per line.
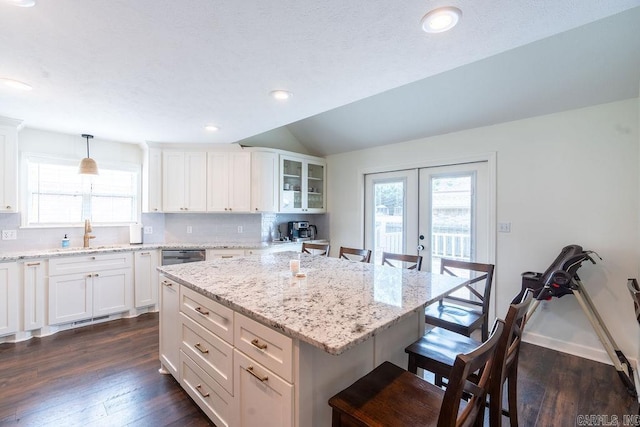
x=9, y=163
x=169, y=326
x=87, y=287
x=152, y=181
x=228, y=181
x=8, y=298
x=262, y=398
x=302, y=185
x=33, y=288
x=264, y=181
x=145, y=281
x=184, y=180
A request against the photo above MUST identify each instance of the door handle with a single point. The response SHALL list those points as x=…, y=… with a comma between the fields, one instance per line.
x=420, y=247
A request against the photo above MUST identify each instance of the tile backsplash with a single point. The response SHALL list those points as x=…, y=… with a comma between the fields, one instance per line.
x=166, y=228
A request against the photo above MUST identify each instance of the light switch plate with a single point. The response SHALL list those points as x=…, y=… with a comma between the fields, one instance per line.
x=504, y=227
x=9, y=234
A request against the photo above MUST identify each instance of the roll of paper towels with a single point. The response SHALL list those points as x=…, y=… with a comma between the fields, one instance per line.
x=135, y=234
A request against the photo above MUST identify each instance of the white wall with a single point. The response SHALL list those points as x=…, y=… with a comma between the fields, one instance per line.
x=564, y=178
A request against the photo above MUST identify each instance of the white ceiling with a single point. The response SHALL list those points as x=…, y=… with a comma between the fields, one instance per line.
x=159, y=70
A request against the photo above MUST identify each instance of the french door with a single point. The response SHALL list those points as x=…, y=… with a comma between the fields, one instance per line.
x=435, y=212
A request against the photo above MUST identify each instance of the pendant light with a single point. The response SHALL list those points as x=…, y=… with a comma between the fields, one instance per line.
x=88, y=166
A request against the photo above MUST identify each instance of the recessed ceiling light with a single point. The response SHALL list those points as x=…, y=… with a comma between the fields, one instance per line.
x=281, y=95
x=22, y=3
x=441, y=19
x=15, y=84
x=212, y=128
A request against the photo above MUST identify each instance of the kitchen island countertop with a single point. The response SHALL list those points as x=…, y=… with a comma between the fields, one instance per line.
x=338, y=305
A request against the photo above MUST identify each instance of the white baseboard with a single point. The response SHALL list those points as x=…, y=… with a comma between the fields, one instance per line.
x=598, y=354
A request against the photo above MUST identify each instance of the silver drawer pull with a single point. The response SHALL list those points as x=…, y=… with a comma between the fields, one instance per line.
x=226, y=256
x=199, y=347
x=201, y=311
x=145, y=253
x=164, y=282
x=199, y=388
x=261, y=379
x=33, y=264
x=256, y=343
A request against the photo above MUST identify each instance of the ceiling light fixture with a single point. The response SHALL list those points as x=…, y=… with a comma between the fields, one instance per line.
x=441, y=19
x=212, y=128
x=15, y=84
x=22, y=3
x=88, y=166
x=281, y=95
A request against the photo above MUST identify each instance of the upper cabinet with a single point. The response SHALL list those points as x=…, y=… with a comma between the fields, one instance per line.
x=228, y=181
x=264, y=181
x=184, y=181
x=152, y=181
x=302, y=185
x=9, y=162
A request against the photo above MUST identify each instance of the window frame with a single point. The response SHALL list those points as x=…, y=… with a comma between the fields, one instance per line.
x=25, y=157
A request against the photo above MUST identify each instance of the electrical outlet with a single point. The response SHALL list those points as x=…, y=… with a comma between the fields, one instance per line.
x=189, y=229
x=504, y=227
x=240, y=229
x=148, y=229
x=9, y=234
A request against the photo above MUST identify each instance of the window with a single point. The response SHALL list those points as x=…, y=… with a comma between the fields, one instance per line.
x=57, y=195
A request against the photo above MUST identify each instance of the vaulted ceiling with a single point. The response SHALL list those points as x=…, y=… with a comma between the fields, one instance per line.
x=362, y=72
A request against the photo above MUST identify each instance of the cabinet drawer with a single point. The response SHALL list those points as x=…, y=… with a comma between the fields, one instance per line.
x=214, y=317
x=264, y=345
x=211, y=353
x=208, y=394
x=89, y=263
x=224, y=253
x=262, y=398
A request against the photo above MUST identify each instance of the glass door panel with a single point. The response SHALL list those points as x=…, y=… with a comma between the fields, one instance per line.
x=291, y=184
x=391, y=213
x=315, y=186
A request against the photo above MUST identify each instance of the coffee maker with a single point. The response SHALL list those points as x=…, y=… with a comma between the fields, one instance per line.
x=298, y=231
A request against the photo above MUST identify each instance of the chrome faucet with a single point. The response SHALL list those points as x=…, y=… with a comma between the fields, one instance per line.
x=87, y=233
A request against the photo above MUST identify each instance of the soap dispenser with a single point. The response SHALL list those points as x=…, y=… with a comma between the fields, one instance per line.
x=65, y=242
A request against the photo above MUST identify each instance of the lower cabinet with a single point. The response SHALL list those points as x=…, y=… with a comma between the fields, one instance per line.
x=238, y=371
x=33, y=288
x=8, y=298
x=262, y=397
x=101, y=285
x=169, y=326
x=145, y=278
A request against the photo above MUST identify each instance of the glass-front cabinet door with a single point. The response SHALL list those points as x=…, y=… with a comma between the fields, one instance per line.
x=315, y=187
x=302, y=185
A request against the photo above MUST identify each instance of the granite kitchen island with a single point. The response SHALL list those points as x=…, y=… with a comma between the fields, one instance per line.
x=254, y=345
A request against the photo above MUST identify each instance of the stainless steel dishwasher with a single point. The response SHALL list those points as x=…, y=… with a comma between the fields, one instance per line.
x=182, y=256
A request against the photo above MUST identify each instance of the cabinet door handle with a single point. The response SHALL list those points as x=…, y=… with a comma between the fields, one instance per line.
x=145, y=253
x=33, y=264
x=261, y=379
x=164, y=282
x=96, y=275
x=199, y=347
x=256, y=343
x=201, y=311
x=199, y=388
x=226, y=256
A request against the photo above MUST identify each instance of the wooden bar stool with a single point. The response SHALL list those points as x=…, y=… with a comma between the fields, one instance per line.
x=415, y=261
x=470, y=313
x=315, y=248
x=390, y=396
x=437, y=349
x=360, y=255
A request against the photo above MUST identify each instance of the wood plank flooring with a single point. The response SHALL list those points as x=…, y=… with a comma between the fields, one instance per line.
x=107, y=375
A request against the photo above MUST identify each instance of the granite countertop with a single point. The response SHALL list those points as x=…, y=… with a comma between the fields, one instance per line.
x=338, y=305
x=56, y=252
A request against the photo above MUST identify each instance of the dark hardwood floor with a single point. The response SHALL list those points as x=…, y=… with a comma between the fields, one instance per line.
x=107, y=375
